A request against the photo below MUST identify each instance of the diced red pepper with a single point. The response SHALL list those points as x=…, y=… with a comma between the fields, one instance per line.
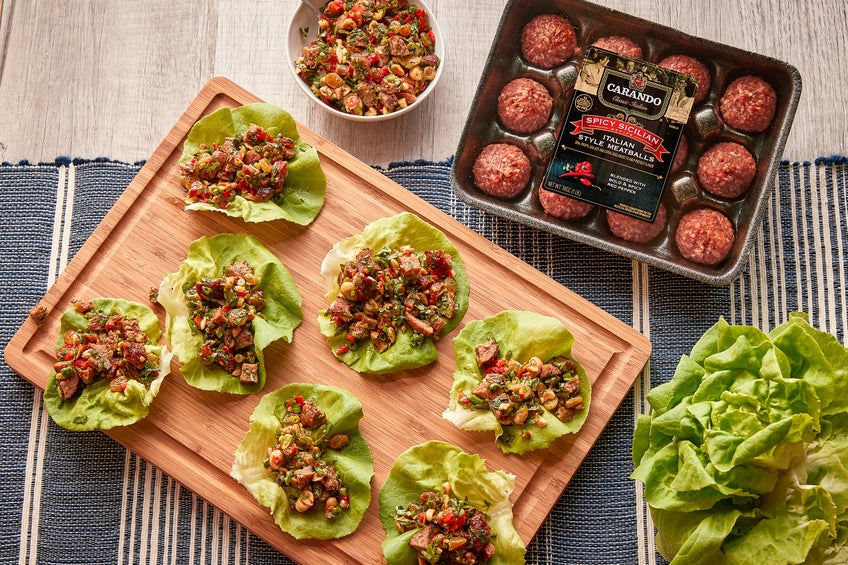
x=446, y=518
x=456, y=523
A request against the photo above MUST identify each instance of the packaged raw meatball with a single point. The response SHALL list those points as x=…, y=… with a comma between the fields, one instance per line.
x=564, y=207
x=726, y=169
x=621, y=45
x=524, y=105
x=502, y=170
x=691, y=66
x=748, y=104
x=705, y=236
x=634, y=229
x=548, y=40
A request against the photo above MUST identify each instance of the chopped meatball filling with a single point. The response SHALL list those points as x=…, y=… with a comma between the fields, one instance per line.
x=223, y=309
x=112, y=347
x=391, y=291
x=519, y=393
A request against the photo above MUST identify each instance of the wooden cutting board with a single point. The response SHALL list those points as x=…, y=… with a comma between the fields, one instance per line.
x=192, y=435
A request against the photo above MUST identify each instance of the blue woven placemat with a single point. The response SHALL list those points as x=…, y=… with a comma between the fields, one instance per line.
x=82, y=498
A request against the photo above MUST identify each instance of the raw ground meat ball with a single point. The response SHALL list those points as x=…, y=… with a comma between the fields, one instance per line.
x=726, y=169
x=693, y=67
x=564, y=207
x=704, y=236
x=634, y=229
x=502, y=170
x=748, y=104
x=621, y=45
x=524, y=105
x=681, y=154
x=548, y=40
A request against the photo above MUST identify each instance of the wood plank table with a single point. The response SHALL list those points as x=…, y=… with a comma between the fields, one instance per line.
x=108, y=79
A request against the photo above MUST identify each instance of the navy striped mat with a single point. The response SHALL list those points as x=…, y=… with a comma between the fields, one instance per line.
x=82, y=498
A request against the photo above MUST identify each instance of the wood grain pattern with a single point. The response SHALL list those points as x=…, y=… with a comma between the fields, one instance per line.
x=108, y=78
x=191, y=434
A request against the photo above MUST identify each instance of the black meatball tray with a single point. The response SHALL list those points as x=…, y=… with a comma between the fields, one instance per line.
x=704, y=128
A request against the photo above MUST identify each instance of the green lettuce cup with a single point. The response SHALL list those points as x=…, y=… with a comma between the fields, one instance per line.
x=352, y=462
x=426, y=468
x=305, y=184
x=207, y=258
x=111, y=398
x=391, y=279
x=744, y=455
x=538, y=348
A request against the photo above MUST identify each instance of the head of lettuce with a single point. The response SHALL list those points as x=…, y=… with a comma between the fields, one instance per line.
x=744, y=456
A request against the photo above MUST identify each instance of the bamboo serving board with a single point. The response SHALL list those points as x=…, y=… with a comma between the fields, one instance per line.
x=192, y=435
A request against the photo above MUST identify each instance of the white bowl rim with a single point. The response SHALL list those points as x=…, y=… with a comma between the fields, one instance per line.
x=295, y=43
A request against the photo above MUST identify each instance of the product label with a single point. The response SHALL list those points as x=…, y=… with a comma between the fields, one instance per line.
x=620, y=134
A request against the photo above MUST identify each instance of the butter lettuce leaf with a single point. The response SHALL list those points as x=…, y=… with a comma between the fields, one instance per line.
x=521, y=334
x=427, y=467
x=393, y=232
x=744, y=455
x=354, y=463
x=96, y=407
x=306, y=184
x=208, y=257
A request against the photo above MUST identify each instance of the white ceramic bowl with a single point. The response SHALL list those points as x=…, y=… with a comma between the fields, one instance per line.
x=303, y=28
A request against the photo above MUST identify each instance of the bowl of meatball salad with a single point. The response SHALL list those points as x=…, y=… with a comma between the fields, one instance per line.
x=366, y=60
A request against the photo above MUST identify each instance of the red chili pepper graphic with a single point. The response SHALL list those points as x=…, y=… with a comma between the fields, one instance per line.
x=582, y=171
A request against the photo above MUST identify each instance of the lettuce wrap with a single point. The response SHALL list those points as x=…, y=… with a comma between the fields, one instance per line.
x=207, y=257
x=353, y=461
x=426, y=467
x=96, y=406
x=520, y=335
x=744, y=455
x=305, y=185
x=404, y=229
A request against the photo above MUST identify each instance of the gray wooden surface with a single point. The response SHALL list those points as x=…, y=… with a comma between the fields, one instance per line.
x=108, y=78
